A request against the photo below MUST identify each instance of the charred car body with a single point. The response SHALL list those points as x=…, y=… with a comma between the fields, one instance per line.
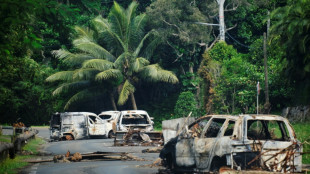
x=135, y=127
x=75, y=125
x=241, y=142
x=110, y=118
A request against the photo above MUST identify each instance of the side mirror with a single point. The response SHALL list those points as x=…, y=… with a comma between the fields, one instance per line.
x=152, y=122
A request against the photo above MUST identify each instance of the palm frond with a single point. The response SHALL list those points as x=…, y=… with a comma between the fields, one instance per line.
x=85, y=74
x=109, y=74
x=139, y=63
x=155, y=73
x=84, y=32
x=130, y=14
x=98, y=64
x=118, y=20
x=61, y=76
x=93, y=48
x=101, y=24
x=148, y=51
x=136, y=31
x=68, y=57
x=69, y=86
x=89, y=92
x=138, y=49
x=118, y=63
x=127, y=88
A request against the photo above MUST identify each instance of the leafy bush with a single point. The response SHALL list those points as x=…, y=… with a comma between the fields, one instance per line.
x=185, y=104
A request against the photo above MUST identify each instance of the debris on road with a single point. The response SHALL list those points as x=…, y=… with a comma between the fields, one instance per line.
x=153, y=150
x=102, y=156
x=156, y=163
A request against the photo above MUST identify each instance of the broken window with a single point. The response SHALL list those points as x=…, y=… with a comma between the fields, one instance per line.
x=135, y=119
x=197, y=128
x=214, y=127
x=55, y=121
x=93, y=119
x=267, y=130
x=105, y=117
x=230, y=128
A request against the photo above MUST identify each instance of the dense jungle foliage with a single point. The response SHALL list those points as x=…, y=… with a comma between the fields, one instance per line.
x=155, y=55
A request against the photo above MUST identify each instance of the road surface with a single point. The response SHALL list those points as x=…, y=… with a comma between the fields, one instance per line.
x=91, y=167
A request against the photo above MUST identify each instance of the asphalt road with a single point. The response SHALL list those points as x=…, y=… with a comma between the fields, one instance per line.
x=92, y=167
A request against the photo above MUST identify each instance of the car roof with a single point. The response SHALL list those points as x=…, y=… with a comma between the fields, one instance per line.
x=79, y=113
x=134, y=112
x=248, y=117
x=109, y=112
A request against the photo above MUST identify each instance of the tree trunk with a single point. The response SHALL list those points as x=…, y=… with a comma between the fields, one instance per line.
x=221, y=18
x=267, y=104
x=113, y=101
x=133, y=101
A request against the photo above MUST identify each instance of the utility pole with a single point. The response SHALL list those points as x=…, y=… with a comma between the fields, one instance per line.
x=267, y=104
x=221, y=18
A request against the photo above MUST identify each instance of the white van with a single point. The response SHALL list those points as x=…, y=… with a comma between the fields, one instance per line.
x=110, y=118
x=75, y=125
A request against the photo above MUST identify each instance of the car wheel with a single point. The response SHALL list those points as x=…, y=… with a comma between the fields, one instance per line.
x=111, y=134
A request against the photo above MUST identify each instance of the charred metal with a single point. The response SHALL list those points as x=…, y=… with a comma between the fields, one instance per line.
x=244, y=142
x=135, y=127
x=76, y=125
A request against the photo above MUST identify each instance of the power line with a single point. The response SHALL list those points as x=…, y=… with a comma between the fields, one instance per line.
x=237, y=41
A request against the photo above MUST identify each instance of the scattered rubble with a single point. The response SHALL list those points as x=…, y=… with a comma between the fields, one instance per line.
x=102, y=156
x=153, y=150
x=156, y=163
x=135, y=128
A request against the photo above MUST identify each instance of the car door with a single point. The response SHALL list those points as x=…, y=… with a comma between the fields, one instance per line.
x=184, y=152
x=203, y=147
x=96, y=126
x=280, y=149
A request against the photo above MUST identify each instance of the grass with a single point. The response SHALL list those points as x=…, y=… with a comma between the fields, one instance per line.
x=5, y=138
x=33, y=145
x=11, y=166
x=302, y=131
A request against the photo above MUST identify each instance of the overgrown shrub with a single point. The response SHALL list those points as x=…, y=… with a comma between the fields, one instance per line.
x=185, y=104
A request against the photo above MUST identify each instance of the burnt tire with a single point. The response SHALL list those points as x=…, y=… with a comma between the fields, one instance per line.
x=171, y=164
x=111, y=134
x=217, y=163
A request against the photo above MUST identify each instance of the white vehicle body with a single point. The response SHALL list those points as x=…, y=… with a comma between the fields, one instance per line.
x=135, y=119
x=75, y=125
x=110, y=119
x=135, y=127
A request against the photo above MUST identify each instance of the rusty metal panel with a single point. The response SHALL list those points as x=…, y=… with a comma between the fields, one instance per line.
x=264, y=142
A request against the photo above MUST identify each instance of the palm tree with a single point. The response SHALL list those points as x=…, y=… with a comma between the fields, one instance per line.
x=121, y=58
x=124, y=34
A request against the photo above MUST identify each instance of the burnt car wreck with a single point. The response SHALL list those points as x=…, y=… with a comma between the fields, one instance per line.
x=76, y=125
x=244, y=142
x=135, y=127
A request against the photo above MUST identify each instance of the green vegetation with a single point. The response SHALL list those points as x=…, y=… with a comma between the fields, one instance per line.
x=303, y=135
x=185, y=104
x=33, y=145
x=118, y=65
x=12, y=165
x=106, y=55
x=5, y=138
